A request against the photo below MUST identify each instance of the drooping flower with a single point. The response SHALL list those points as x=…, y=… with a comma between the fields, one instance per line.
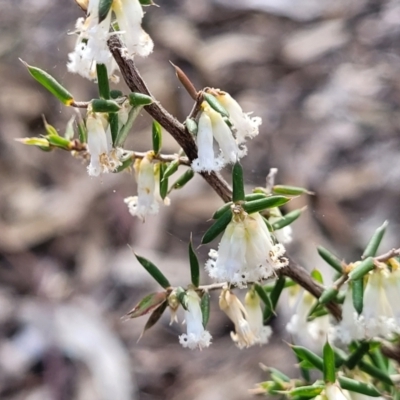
x=252, y=305
x=148, y=199
x=233, y=308
x=129, y=14
x=246, y=252
x=244, y=125
x=212, y=125
x=196, y=336
x=103, y=157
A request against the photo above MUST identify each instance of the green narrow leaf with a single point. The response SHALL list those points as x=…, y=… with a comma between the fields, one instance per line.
x=328, y=295
x=48, y=82
x=317, y=276
x=123, y=132
x=237, y=183
x=183, y=179
x=306, y=392
x=153, y=271
x=375, y=241
x=329, y=364
x=115, y=94
x=275, y=373
x=255, y=196
x=290, y=190
x=357, y=355
x=222, y=210
x=307, y=355
x=113, y=121
x=217, y=227
x=102, y=81
x=147, y=304
x=139, y=99
x=42, y=143
x=277, y=290
x=191, y=126
x=157, y=137
x=194, y=265
x=105, y=106
x=358, y=295
x=332, y=260
x=305, y=373
x=58, y=141
x=205, y=308
x=375, y=372
x=163, y=181
x=215, y=104
x=82, y=131
x=171, y=169
x=125, y=164
x=287, y=219
x=154, y=317
x=104, y=9
x=362, y=269
x=264, y=297
x=358, y=387
x=262, y=204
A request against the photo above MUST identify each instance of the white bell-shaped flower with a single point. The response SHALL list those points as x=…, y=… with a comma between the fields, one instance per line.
x=196, y=336
x=245, y=126
x=246, y=252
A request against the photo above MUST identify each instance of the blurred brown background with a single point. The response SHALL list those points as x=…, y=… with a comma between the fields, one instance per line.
x=323, y=75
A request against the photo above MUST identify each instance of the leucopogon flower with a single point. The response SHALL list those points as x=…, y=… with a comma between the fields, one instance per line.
x=196, y=337
x=246, y=252
x=91, y=47
x=380, y=316
x=333, y=391
x=103, y=157
x=248, y=321
x=148, y=199
x=244, y=125
x=316, y=330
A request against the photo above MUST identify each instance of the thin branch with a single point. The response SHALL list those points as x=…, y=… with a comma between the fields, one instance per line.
x=390, y=254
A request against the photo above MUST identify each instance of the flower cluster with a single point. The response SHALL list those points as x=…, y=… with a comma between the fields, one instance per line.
x=246, y=253
x=230, y=134
x=91, y=46
x=380, y=316
x=148, y=199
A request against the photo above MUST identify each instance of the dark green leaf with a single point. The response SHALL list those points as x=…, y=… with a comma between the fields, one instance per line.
x=82, y=131
x=171, y=169
x=264, y=297
x=358, y=387
x=328, y=295
x=358, y=294
x=104, y=9
x=289, y=190
x=222, y=210
x=217, y=227
x=105, y=106
x=329, y=364
x=278, y=374
x=375, y=372
x=237, y=183
x=102, y=81
x=191, y=126
x=375, y=241
x=163, y=181
x=154, y=271
x=115, y=94
x=194, y=266
x=114, y=128
x=48, y=82
x=286, y=220
x=215, y=104
x=157, y=137
x=183, y=179
x=139, y=99
x=147, y=304
x=357, y=355
x=262, y=204
x=125, y=164
x=362, y=269
x=332, y=260
x=255, y=196
x=154, y=317
x=305, y=354
x=205, y=308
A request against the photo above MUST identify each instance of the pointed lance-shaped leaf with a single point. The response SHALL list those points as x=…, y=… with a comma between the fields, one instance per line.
x=287, y=219
x=139, y=99
x=274, y=295
x=205, y=308
x=114, y=126
x=305, y=392
x=154, y=317
x=355, y=357
x=115, y=94
x=105, y=106
x=183, y=179
x=358, y=387
x=375, y=372
x=147, y=304
x=289, y=190
x=317, y=276
x=375, y=241
x=194, y=265
x=328, y=295
x=123, y=132
x=42, y=143
x=305, y=373
x=163, y=181
x=215, y=104
x=153, y=271
x=191, y=126
x=362, y=269
x=53, y=86
x=125, y=164
x=262, y=204
x=172, y=167
x=102, y=81
x=237, y=183
x=329, y=364
x=255, y=196
x=277, y=375
x=264, y=297
x=104, y=9
x=82, y=131
x=222, y=210
x=217, y=227
x=304, y=354
x=157, y=137
x=59, y=141
x=50, y=130
x=358, y=294
x=186, y=82
x=331, y=259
